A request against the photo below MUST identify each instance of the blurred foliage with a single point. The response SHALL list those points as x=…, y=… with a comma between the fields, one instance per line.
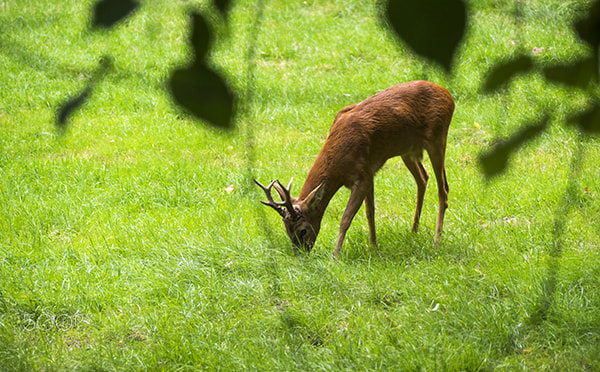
x=197, y=88
x=107, y=13
x=433, y=29
x=74, y=103
x=581, y=74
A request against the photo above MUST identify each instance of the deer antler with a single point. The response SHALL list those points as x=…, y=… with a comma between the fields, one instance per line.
x=284, y=194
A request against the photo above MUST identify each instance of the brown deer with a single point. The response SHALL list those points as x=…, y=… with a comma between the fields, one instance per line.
x=400, y=121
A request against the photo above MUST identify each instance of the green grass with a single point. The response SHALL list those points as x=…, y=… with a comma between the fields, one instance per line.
x=121, y=250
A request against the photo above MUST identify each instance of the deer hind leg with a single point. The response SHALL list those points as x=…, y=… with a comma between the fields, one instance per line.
x=415, y=166
x=437, y=157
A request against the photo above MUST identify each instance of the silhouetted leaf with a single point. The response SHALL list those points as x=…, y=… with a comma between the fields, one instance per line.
x=223, y=6
x=432, y=28
x=588, y=28
x=108, y=12
x=588, y=121
x=495, y=161
x=502, y=73
x=579, y=74
x=70, y=105
x=201, y=36
x=74, y=103
x=198, y=88
x=204, y=94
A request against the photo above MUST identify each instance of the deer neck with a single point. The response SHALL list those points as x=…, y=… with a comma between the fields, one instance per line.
x=318, y=174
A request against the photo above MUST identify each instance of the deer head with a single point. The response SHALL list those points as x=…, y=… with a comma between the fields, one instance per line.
x=302, y=225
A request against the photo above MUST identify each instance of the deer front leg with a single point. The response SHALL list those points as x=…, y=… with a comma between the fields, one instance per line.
x=357, y=195
x=370, y=209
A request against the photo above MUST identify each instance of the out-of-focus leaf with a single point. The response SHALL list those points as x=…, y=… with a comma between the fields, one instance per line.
x=108, y=12
x=579, y=74
x=588, y=121
x=504, y=72
x=223, y=6
x=203, y=93
x=432, y=28
x=198, y=88
x=74, y=103
x=588, y=28
x=70, y=105
x=495, y=161
x=201, y=37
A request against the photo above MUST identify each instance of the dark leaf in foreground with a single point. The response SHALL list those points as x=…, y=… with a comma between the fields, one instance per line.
x=108, y=12
x=588, y=28
x=588, y=121
x=495, y=161
x=432, y=28
x=504, y=72
x=198, y=88
x=70, y=105
x=74, y=103
x=204, y=94
x=223, y=6
x=579, y=74
x=201, y=37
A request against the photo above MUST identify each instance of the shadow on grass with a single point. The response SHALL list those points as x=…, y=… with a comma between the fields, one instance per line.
x=555, y=250
x=397, y=246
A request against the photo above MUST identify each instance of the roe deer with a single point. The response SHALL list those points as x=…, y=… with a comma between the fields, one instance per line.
x=400, y=121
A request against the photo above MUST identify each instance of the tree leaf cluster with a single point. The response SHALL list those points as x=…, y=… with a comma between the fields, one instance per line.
x=197, y=88
x=580, y=74
x=433, y=29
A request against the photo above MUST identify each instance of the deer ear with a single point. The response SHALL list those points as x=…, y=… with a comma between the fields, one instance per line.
x=314, y=198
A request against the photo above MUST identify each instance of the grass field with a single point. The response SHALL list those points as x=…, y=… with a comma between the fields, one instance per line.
x=135, y=240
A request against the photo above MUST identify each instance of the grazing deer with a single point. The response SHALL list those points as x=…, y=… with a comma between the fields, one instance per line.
x=400, y=121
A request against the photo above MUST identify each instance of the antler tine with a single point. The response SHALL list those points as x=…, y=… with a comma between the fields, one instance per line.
x=284, y=194
x=278, y=206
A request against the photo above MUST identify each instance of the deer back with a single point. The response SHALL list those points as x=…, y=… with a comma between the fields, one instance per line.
x=406, y=118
